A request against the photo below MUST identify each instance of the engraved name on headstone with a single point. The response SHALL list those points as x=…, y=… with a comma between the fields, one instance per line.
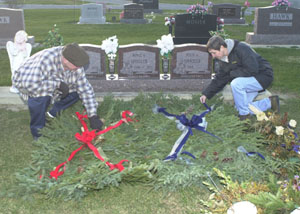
x=4, y=20
x=133, y=14
x=11, y=21
x=148, y=4
x=275, y=17
x=271, y=20
x=227, y=12
x=274, y=25
x=97, y=66
x=189, y=29
x=133, y=11
x=231, y=13
x=92, y=14
x=138, y=61
x=191, y=61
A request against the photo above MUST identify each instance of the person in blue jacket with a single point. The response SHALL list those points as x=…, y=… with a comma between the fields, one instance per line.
x=246, y=71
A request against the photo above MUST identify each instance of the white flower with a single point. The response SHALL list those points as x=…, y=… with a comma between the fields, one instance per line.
x=296, y=211
x=165, y=44
x=293, y=123
x=279, y=130
x=242, y=207
x=110, y=46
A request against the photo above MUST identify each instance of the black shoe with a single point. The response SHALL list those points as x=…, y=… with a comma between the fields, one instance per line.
x=244, y=117
x=275, y=103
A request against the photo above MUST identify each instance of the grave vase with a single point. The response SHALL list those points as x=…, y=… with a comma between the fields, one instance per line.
x=165, y=65
x=111, y=68
x=165, y=68
x=170, y=29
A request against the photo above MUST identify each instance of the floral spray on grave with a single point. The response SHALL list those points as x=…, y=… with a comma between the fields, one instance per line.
x=166, y=46
x=246, y=5
x=281, y=4
x=110, y=46
x=170, y=21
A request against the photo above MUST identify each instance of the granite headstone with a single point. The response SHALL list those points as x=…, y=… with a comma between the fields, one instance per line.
x=133, y=14
x=97, y=66
x=138, y=70
x=92, y=14
x=191, y=61
x=277, y=26
x=138, y=61
x=149, y=5
x=231, y=13
x=194, y=29
x=11, y=21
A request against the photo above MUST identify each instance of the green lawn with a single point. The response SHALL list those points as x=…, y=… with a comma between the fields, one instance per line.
x=17, y=146
x=127, y=34
x=255, y=3
x=58, y=2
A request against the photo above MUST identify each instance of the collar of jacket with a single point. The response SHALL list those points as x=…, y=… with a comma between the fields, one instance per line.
x=230, y=45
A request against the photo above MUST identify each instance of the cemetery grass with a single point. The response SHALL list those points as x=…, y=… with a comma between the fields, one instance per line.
x=283, y=60
x=254, y=3
x=17, y=146
x=16, y=142
x=56, y=2
x=16, y=149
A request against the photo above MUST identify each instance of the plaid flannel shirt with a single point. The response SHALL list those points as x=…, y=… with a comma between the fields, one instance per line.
x=41, y=74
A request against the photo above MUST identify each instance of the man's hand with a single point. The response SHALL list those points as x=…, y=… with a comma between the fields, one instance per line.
x=203, y=99
x=64, y=89
x=95, y=122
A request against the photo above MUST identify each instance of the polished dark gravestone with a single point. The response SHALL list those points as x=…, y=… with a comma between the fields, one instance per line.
x=133, y=14
x=275, y=26
x=194, y=29
x=149, y=5
x=231, y=13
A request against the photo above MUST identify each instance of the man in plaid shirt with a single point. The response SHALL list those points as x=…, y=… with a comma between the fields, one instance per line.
x=51, y=73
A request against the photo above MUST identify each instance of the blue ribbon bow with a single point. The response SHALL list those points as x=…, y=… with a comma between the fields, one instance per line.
x=184, y=124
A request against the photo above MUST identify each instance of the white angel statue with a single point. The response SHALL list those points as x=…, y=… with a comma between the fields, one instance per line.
x=18, y=51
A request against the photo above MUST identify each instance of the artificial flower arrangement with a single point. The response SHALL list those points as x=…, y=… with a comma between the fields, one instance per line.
x=246, y=5
x=196, y=10
x=281, y=3
x=166, y=45
x=169, y=21
x=281, y=137
x=150, y=17
x=110, y=46
x=209, y=7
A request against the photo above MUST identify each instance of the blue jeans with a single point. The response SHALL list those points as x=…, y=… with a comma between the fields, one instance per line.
x=244, y=90
x=38, y=107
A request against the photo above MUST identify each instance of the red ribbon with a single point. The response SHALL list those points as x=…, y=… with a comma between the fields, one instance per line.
x=86, y=137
